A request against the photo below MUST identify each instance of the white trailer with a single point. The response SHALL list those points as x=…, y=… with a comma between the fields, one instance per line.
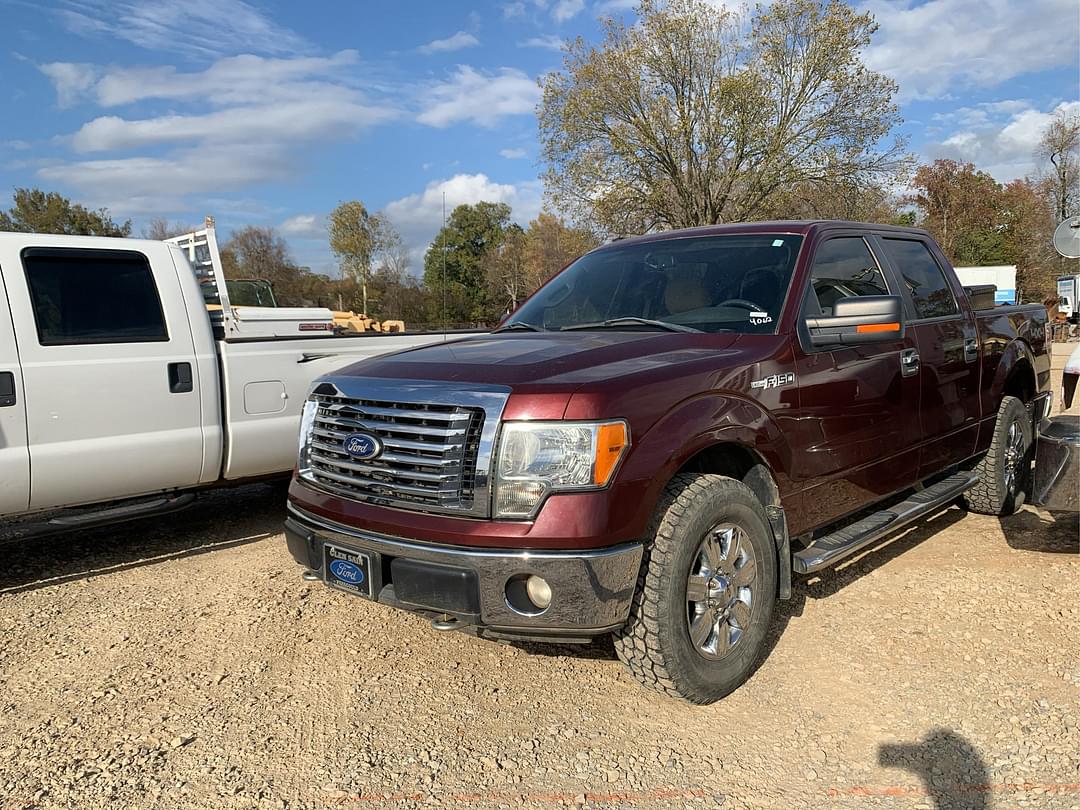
x=1002, y=276
x=1068, y=293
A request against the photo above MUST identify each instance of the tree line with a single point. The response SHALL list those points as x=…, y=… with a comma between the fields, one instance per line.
x=695, y=114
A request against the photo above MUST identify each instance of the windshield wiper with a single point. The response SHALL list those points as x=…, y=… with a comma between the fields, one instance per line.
x=631, y=321
x=517, y=325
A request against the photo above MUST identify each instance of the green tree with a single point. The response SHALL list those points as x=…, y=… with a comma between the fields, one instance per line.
x=37, y=211
x=694, y=116
x=464, y=243
x=357, y=238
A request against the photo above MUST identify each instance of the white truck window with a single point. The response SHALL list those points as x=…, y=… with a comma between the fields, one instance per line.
x=93, y=296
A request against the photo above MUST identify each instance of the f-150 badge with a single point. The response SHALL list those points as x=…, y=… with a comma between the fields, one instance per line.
x=775, y=381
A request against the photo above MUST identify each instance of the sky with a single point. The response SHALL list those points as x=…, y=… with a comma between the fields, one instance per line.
x=268, y=112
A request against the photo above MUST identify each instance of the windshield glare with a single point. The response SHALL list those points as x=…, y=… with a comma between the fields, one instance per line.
x=709, y=284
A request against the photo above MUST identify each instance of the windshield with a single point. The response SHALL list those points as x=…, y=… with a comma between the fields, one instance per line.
x=700, y=284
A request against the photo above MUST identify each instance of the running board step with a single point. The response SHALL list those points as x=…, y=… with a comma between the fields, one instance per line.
x=846, y=541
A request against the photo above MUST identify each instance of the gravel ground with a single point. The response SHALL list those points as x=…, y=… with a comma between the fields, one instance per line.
x=186, y=664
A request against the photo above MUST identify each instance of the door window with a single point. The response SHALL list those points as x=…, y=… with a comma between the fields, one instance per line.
x=844, y=267
x=923, y=276
x=93, y=296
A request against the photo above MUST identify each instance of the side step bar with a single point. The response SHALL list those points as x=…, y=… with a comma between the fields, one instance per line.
x=846, y=541
x=35, y=527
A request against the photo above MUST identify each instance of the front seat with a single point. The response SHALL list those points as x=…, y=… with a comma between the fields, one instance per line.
x=685, y=291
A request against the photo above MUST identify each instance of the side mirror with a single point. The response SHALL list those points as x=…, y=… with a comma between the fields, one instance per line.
x=866, y=319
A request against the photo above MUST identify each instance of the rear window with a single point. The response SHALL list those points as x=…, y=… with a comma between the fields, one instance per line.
x=93, y=296
x=924, y=278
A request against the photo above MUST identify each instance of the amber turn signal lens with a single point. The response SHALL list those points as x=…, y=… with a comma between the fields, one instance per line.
x=877, y=327
x=611, y=441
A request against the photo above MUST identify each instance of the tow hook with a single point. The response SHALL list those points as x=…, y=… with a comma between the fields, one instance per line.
x=311, y=576
x=445, y=622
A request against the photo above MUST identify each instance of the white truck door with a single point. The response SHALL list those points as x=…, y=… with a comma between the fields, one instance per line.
x=14, y=454
x=113, y=405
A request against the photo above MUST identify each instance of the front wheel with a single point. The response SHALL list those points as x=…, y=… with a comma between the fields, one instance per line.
x=1005, y=470
x=706, y=591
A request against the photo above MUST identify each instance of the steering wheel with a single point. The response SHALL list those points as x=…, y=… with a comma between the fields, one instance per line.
x=742, y=302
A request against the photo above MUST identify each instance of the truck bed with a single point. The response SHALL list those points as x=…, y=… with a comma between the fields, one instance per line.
x=266, y=382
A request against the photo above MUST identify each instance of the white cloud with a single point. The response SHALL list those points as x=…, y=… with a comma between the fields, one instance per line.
x=567, y=9
x=511, y=10
x=551, y=42
x=512, y=154
x=933, y=47
x=241, y=122
x=205, y=27
x=480, y=98
x=456, y=42
x=295, y=121
x=419, y=216
x=304, y=225
x=71, y=80
x=1004, y=148
x=152, y=185
x=235, y=79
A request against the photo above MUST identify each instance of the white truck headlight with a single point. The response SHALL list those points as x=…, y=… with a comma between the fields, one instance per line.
x=307, y=427
x=538, y=458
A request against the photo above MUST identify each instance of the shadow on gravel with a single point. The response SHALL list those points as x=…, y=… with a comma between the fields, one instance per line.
x=951, y=769
x=217, y=519
x=1048, y=532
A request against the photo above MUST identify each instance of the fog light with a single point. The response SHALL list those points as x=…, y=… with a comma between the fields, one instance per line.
x=539, y=591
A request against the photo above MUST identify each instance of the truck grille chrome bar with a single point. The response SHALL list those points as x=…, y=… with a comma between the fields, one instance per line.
x=435, y=450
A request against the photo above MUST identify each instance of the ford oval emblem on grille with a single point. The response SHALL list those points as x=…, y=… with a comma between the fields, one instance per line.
x=362, y=446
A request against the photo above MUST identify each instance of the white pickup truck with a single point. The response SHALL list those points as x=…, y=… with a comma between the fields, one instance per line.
x=127, y=380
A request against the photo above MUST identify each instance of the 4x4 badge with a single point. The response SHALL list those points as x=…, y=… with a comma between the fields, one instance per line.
x=775, y=381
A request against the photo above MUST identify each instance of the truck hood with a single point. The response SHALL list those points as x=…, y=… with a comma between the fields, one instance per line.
x=549, y=361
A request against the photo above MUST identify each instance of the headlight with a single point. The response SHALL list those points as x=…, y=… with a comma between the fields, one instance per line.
x=538, y=458
x=307, y=426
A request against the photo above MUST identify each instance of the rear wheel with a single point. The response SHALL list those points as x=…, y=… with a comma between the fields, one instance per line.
x=1005, y=470
x=706, y=591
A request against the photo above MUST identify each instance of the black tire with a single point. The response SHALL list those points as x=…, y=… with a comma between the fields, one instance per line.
x=655, y=643
x=998, y=493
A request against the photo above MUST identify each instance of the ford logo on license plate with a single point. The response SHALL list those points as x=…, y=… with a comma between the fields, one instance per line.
x=362, y=446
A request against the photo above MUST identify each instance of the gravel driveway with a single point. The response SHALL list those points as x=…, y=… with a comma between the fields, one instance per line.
x=186, y=664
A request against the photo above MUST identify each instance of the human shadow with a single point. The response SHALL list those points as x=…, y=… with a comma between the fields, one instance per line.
x=218, y=519
x=1047, y=532
x=952, y=770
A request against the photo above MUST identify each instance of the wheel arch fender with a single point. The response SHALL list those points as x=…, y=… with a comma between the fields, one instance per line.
x=728, y=435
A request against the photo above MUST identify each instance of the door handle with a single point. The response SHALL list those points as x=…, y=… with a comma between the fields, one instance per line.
x=180, y=379
x=971, y=350
x=7, y=389
x=909, y=362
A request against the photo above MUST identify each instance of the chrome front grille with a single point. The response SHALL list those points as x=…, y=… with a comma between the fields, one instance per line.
x=428, y=459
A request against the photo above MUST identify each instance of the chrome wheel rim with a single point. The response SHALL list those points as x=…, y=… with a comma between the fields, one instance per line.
x=1014, y=455
x=720, y=591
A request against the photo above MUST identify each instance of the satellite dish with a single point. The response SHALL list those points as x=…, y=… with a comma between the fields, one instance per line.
x=1067, y=238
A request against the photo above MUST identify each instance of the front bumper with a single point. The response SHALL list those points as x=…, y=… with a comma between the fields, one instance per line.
x=591, y=590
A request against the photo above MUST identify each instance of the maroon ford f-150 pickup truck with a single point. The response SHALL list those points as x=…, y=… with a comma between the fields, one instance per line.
x=667, y=432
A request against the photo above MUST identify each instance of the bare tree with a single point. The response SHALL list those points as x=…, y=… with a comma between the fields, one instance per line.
x=1060, y=144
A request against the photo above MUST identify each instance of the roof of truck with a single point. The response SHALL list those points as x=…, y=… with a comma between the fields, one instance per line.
x=793, y=226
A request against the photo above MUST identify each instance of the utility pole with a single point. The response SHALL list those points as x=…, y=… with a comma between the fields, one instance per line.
x=444, y=319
